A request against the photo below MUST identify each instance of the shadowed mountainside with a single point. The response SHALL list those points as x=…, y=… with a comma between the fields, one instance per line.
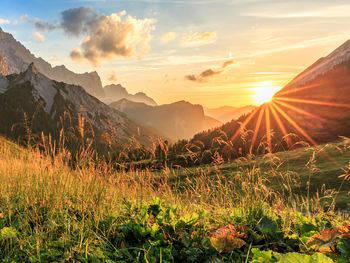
x=177, y=120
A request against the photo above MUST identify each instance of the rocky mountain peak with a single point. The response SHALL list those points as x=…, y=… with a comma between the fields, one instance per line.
x=43, y=88
x=32, y=69
x=15, y=58
x=49, y=101
x=116, y=92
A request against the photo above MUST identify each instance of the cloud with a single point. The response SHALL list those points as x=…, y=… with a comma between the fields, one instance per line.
x=76, y=54
x=168, y=37
x=112, y=77
x=195, y=39
x=44, y=26
x=40, y=25
x=40, y=38
x=191, y=77
x=321, y=41
x=76, y=21
x=206, y=74
x=4, y=21
x=190, y=39
x=227, y=63
x=209, y=72
x=108, y=37
x=202, y=77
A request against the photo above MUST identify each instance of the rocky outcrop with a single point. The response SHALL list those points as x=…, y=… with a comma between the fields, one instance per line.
x=15, y=58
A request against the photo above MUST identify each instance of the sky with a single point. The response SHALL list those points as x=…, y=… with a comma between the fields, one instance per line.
x=210, y=52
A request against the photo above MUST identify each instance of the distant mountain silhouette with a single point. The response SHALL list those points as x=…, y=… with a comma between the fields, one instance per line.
x=177, y=120
x=117, y=92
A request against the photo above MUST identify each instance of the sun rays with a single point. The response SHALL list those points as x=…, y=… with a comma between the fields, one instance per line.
x=313, y=102
x=277, y=113
x=273, y=112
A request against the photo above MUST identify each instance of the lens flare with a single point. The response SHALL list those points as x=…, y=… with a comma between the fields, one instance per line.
x=264, y=92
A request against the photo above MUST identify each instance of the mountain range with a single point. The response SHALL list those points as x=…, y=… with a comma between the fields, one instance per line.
x=175, y=121
x=34, y=93
x=31, y=103
x=314, y=106
x=15, y=58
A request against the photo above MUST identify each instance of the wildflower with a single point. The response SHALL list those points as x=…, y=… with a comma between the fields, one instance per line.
x=227, y=239
x=8, y=233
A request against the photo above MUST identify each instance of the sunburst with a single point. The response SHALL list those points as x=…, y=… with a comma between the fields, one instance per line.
x=264, y=92
x=278, y=109
x=273, y=110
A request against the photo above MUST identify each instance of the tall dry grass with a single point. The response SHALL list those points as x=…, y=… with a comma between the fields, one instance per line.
x=53, y=205
x=33, y=178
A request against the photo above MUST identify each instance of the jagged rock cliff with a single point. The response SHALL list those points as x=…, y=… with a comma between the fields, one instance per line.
x=15, y=58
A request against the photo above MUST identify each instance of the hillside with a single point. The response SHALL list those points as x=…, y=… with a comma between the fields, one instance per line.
x=32, y=104
x=317, y=98
x=176, y=121
x=243, y=211
x=15, y=58
x=310, y=168
x=313, y=108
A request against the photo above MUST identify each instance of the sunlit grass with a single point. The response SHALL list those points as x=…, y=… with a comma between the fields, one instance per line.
x=81, y=214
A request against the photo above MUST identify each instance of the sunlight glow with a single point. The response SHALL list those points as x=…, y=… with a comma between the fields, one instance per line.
x=264, y=92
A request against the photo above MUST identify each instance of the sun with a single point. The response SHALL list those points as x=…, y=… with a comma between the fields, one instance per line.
x=264, y=92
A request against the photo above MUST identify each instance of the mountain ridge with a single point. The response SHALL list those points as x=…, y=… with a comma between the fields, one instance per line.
x=322, y=65
x=178, y=120
x=51, y=106
x=116, y=92
x=15, y=58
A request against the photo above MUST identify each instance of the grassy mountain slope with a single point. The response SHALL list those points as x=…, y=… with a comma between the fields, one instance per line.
x=311, y=169
x=49, y=212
